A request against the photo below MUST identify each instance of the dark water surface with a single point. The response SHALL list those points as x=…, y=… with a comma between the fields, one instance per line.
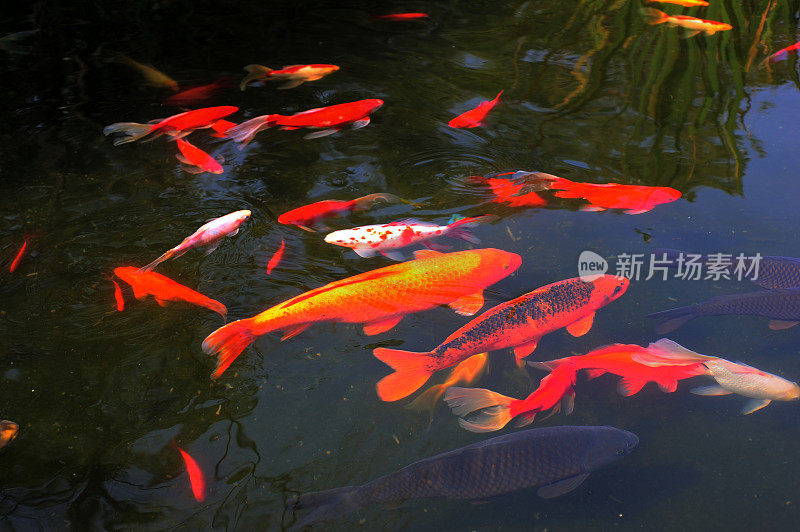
x=591, y=94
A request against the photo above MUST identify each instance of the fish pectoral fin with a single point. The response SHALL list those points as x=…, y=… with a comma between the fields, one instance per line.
x=323, y=133
x=754, y=404
x=582, y=326
x=234, y=232
x=182, y=159
x=365, y=253
x=294, y=331
x=636, y=211
x=592, y=208
x=714, y=389
x=561, y=487
x=305, y=228
x=426, y=253
x=377, y=327
x=668, y=386
x=191, y=169
x=161, y=302
x=468, y=305
x=138, y=293
x=594, y=373
x=568, y=403
x=358, y=124
x=688, y=34
x=521, y=351
x=394, y=255
x=210, y=249
x=291, y=84
x=627, y=387
x=777, y=325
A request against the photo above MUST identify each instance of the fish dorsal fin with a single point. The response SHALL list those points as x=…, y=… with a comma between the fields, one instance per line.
x=426, y=254
x=561, y=487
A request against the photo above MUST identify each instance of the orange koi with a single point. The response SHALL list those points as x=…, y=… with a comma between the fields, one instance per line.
x=196, y=478
x=18, y=257
x=309, y=215
x=474, y=117
x=294, y=75
x=176, y=126
x=276, y=258
x=379, y=298
x=164, y=289
x=692, y=25
x=8, y=431
x=195, y=160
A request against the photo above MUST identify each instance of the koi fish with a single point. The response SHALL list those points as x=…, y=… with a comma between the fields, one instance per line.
x=379, y=298
x=781, y=306
x=199, y=94
x=18, y=257
x=516, y=324
x=196, y=478
x=8, y=431
x=276, y=258
x=692, y=25
x=118, y=297
x=772, y=272
x=209, y=234
x=738, y=378
x=466, y=372
x=368, y=240
x=152, y=77
x=330, y=119
x=176, y=126
x=684, y=3
x=294, y=75
x=510, y=192
x=555, y=392
x=474, y=117
x=556, y=460
x=402, y=16
x=309, y=215
x=783, y=53
x=221, y=128
x=164, y=289
x=195, y=160
x=625, y=360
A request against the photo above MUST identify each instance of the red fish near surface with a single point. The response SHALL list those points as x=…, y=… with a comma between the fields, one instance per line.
x=510, y=192
x=328, y=119
x=276, y=258
x=176, y=126
x=164, y=289
x=474, y=117
x=294, y=75
x=517, y=324
x=379, y=298
x=196, y=478
x=402, y=16
x=783, y=53
x=308, y=215
x=18, y=257
x=195, y=160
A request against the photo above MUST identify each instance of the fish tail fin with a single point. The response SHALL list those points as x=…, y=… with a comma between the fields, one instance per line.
x=245, y=131
x=411, y=372
x=228, y=342
x=488, y=419
x=457, y=229
x=325, y=505
x=653, y=16
x=254, y=73
x=129, y=131
x=427, y=399
x=673, y=318
x=495, y=408
x=368, y=201
x=544, y=366
x=167, y=255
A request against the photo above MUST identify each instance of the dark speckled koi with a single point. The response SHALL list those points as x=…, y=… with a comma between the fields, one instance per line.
x=518, y=324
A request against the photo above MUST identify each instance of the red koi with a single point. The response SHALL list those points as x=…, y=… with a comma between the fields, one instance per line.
x=474, y=117
x=176, y=126
x=196, y=478
x=512, y=193
x=164, y=289
x=196, y=160
x=18, y=257
x=308, y=215
x=402, y=16
x=276, y=258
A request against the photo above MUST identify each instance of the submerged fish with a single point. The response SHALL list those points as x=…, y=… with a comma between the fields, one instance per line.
x=781, y=306
x=198, y=94
x=196, y=478
x=516, y=324
x=328, y=119
x=385, y=239
x=18, y=257
x=474, y=117
x=153, y=77
x=8, y=431
x=209, y=234
x=293, y=75
x=276, y=258
x=175, y=126
x=118, y=297
x=692, y=25
x=164, y=289
x=402, y=16
x=684, y=3
x=738, y=378
x=783, y=53
x=555, y=392
x=379, y=298
x=556, y=460
x=308, y=215
x=195, y=160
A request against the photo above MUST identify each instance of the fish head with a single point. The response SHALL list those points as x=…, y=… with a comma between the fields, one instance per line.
x=241, y=217
x=499, y=263
x=371, y=104
x=607, y=288
x=8, y=431
x=344, y=237
x=608, y=445
x=664, y=195
x=791, y=392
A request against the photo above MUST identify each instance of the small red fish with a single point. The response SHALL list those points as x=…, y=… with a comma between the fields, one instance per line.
x=176, y=126
x=196, y=160
x=308, y=215
x=196, y=478
x=276, y=258
x=294, y=75
x=18, y=257
x=118, y=297
x=474, y=117
x=783, y=53
x=329, y=119
x=164, y=289
x=199, y=94
x=402, y=16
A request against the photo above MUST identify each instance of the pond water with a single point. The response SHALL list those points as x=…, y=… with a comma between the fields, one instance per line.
x=591, y=94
